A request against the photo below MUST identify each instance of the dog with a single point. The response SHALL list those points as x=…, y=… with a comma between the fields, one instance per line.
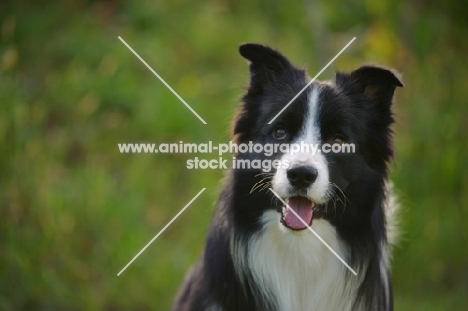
x=259, y=255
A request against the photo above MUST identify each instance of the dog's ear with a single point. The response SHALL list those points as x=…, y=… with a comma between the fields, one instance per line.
x=375, y=82
x=266, y=64
x=268, y=68
x=371, y=88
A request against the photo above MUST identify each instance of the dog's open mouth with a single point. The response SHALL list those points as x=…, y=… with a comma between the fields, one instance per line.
x=299, y=206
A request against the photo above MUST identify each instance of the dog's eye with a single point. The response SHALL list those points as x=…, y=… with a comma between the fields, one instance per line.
x=339, y=139
x=279, y=133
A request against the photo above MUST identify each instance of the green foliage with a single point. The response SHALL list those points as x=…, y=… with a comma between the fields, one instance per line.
x=74, y=211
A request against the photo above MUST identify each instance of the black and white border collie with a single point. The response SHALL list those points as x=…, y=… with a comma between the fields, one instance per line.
x=257, y=255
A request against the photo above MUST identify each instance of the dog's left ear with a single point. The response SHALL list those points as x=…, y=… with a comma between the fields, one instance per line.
x=371, y=88
x=376, y=83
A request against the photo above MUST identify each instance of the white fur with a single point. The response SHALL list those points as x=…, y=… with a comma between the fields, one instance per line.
x=310, y=134
x=391, y=207
x=294, y=269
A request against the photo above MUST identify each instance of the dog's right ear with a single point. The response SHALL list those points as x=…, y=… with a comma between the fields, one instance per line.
x=266, y=64
x=267, y=67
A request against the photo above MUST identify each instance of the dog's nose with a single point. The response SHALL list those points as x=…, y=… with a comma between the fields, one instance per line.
x=302, y=176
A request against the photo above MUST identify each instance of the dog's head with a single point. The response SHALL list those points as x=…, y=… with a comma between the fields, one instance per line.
x=345, y=123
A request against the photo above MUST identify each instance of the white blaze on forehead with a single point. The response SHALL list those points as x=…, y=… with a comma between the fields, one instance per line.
x=310, y=132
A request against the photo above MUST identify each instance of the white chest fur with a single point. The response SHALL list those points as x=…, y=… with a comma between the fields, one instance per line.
x=297, y=271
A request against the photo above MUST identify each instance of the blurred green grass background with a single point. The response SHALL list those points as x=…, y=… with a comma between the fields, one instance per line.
x=74, y=211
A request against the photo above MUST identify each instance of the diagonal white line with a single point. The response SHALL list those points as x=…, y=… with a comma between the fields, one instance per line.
x=311, y=81
x=160, y=232
x=315, y=233
x=159, y=77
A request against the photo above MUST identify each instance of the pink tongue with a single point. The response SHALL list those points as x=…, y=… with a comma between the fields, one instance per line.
x=303, y=208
